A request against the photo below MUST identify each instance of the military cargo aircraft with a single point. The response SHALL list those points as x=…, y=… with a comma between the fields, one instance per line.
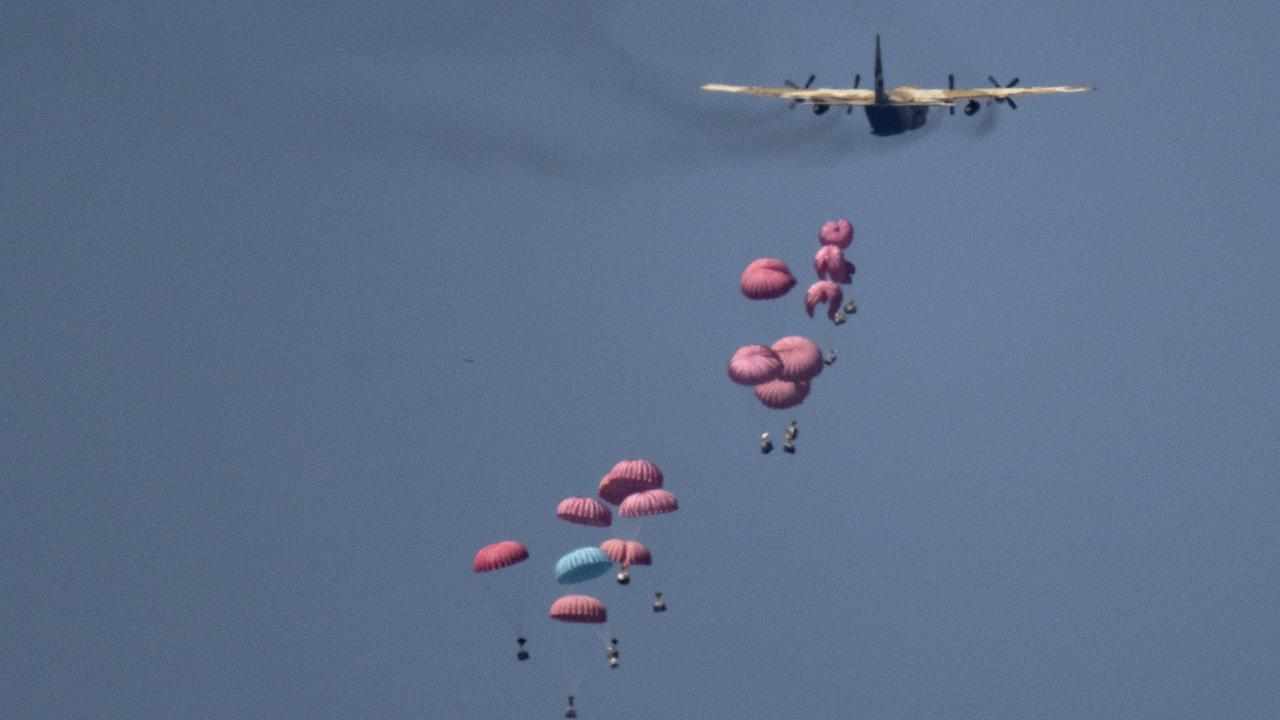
x=902, y=108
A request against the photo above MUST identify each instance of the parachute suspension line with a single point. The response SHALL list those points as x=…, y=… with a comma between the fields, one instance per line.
x=638, y=529
x=506, y=705
x=503, y=601
x=572, y=662
x=512, y=707
x=636, y=538
x=569, y=680
x=529, y=587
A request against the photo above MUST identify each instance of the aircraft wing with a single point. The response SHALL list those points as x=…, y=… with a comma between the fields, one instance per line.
x=815, y=96
x=901, y=95
x=997, y=93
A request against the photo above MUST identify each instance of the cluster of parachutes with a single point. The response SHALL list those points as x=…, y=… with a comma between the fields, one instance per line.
x=781, y=373
x=770, y=278
x=635, y=487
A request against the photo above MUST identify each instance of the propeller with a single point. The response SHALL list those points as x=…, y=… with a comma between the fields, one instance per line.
x=792, y=105
x=818, y=108
x=951, y=85
x=857, y=80
x=1012, y=105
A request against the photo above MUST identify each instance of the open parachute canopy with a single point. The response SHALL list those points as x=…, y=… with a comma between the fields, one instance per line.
x=579, y=609
x=754, y=364
x=782, y=394
x=626, y=552
x=649, y=502
x=585, y=563
x=801, y=358
x=584, y=511
x=836, y=232
x=499, y=555
x=823, y=291
x=829, y=263
x=627, y=477
x=766, y=279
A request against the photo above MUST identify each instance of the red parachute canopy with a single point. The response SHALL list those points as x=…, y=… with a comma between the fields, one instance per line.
x=649, y=502
x=626, y=552
x=499, y=555
x=836, y=232
x=823, y=291
x=782, y=394
x=766, y=278
x=754, y=364
x=584, y=511
x=801, y=358
x=579, y=609
x=627, y=477
x=829, y=263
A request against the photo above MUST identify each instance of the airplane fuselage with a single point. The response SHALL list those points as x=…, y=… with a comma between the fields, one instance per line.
x=887, y=118
x=890, y=119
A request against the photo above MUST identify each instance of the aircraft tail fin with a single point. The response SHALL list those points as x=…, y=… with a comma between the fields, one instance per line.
x=881, y=97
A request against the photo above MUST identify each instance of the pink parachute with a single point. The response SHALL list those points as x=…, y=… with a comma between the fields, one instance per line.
x=579, y=609
x=649, y=502
x=627, y=477
x=626, y=552
x=829, y=263
x=754, y=364
x=782, y=394
x=823, y=291
x=836, y=232
x=499, y=555
x=766, y=278
x=801, y=358
x=584, y=511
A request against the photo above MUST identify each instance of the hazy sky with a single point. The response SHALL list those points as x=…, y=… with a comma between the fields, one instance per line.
x=248, y=248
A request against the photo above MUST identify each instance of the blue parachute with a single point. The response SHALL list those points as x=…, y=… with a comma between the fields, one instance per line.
x=582, y=564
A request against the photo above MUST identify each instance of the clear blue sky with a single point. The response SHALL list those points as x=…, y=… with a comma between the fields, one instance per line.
x=247, y=247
